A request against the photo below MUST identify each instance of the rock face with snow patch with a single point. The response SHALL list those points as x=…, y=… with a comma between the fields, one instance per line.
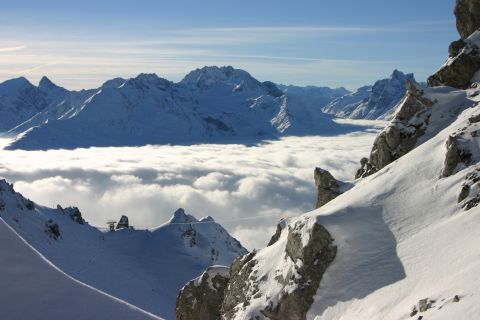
x=328, y=188
x=307, y=252
x=464, y=60
x=201, y=298
x=401, y=135
x=461, y=67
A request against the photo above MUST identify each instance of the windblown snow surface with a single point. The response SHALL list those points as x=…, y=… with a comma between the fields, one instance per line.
x=147, y=268
x=32, y=288
x=400, y=233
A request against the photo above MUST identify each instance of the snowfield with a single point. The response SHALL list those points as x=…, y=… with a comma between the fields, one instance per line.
x=402, y=234
x=32, y=288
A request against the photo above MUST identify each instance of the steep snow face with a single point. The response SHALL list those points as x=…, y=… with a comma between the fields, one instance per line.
x=210, y=104
x=403, y=234
x=26, y=105
x=143, y=267
x=380, y=103
x=341, y=107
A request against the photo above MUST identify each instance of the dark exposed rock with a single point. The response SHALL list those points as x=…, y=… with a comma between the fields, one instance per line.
x=52, y=229
x=277, y=233
x=201, y=298
x=414, y=311
x=401, y=135
x=75, y=214
x=29, y=204
x=423, y=305
x=474, y=118
x=467, y=13
x=455, y=47
x=328, y=188
x=123, y=223
x=456, y=298
x=236, y=292
x=463, y=193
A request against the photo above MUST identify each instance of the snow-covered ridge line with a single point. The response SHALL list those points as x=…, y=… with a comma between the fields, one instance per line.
x=218, y=104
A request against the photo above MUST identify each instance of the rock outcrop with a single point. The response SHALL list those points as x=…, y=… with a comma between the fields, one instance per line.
x=328, y=188
x=123, y=223
x=298, y=283
x=464, y=54
x=201, y=298
x=454, y=156
x=257, y=287
x=467, y=13
x=401, y=135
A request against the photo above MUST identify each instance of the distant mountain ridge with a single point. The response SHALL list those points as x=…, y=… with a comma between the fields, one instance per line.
x=211, y=104
x=372, y=102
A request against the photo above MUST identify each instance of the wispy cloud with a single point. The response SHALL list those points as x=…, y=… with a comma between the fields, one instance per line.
x=10, y=49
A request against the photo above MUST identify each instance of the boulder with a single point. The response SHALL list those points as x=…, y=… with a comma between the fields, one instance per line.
x=201, y=298
x=467, y=13
x=328, y=188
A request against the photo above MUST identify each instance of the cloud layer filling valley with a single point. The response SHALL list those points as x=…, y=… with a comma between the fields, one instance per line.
x=231, y=183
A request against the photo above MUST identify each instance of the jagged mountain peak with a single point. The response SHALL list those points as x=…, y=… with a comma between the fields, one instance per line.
x=399, y=75
x=46, y=83
x=180, y=216
x=114, y=83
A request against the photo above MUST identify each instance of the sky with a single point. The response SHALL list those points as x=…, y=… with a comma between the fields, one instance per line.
x=350, y=43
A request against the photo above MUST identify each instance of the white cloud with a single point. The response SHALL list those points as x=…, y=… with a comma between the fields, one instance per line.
x=246, y=188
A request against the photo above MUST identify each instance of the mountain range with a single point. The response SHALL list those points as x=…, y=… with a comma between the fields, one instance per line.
x=211, y=104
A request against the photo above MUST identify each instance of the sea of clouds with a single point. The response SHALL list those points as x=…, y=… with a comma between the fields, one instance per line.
x=245, y=188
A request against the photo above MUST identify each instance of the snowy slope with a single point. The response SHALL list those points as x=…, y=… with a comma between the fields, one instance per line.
x=376, y=102
x=32, y=288
x=143, y=267
x=402, y=234
x=210, y=104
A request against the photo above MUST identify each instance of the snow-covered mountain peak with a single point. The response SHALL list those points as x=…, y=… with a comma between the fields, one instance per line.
x=14, y=85
x=114, y=83
x=149, y=80
x=210, y=75
x=46, y=84
x=207, y=219
x=180, y=216
x=399, y=75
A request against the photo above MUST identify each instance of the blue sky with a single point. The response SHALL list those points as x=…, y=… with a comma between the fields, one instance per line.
x=80, y=44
